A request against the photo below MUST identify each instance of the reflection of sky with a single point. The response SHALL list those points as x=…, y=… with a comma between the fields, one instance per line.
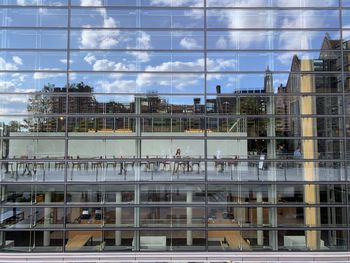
x=115, y=37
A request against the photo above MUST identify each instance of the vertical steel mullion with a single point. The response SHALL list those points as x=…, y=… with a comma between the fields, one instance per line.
x=66, y=128
x=344, y=119
x=205, y=125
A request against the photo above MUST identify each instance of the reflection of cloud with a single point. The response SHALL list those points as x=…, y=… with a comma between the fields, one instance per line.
x=181, y=80
x=10, y=85
x=35, y=2
x=98, y=39
x=90, y=39
x=13, y=104
x=107, y=65
x=89, y=58
x=117, y=86
x=288, y=3
x=72, y=76
x=41, y=75
x=10, y=65
x=91, y=3
x=189, y=43
x=283, y=19
x=64, y=61
x=264, y=3
x=17, y=60
x=143, y=42
x=107, y=39
x=221, y=43
x=197, y=65
x=26, y=2
x=191, y=3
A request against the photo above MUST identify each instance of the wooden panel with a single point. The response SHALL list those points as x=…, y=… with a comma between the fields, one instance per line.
x=78, y=241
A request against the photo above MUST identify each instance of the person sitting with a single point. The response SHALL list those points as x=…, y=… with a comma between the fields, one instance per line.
x=177, y=163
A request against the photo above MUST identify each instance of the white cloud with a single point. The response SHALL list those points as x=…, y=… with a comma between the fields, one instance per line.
x=143, y=42
x=117, y=86
x=264, y=3
x=35, y=2
x=197, y=65
x=221, y=43
x=73, y=76
x=9, y=85
x=89, y=58
x=179, y=82
x=26, y=2
x=46, y=75
x=64, y=61
x=91, y=2
x=182, y=80
x=17, y=60
x=98, y=39
x=287, y=40
x=108, y=65
x=189, y=43
x=4, y=65
x=192, y=3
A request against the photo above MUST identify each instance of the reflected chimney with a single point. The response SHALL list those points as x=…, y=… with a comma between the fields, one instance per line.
x=197, y=105
x=218, y=89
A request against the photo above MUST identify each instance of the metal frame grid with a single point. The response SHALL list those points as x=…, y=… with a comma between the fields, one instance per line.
x=205, y=51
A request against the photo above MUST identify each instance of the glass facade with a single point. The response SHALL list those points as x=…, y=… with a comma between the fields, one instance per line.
x=168, y=125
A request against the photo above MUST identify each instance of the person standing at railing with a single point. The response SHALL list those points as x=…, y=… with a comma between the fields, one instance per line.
x=281, y=155
x=177, y=163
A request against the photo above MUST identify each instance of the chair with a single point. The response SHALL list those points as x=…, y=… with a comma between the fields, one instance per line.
x=166, y=163
x=196, y=163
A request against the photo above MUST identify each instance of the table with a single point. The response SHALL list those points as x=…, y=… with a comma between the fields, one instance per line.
x=78, y=241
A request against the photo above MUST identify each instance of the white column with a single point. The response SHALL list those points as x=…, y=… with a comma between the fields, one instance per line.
x=259, y=219
x=189, y=218
x=137, y=173
x=273, y=237
x=47, y=219
x=118, y=219
x=271, y=155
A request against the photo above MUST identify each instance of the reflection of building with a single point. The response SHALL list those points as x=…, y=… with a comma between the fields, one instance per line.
x=304, y=80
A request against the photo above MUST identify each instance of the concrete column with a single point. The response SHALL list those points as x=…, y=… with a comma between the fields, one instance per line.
x=271, y=155
x=259, y=219
x=47, y=218
x=273, y=235
x=137, y=217
x=189, y=218
x=333, y=213
x=118, y=218
x=137, y=173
